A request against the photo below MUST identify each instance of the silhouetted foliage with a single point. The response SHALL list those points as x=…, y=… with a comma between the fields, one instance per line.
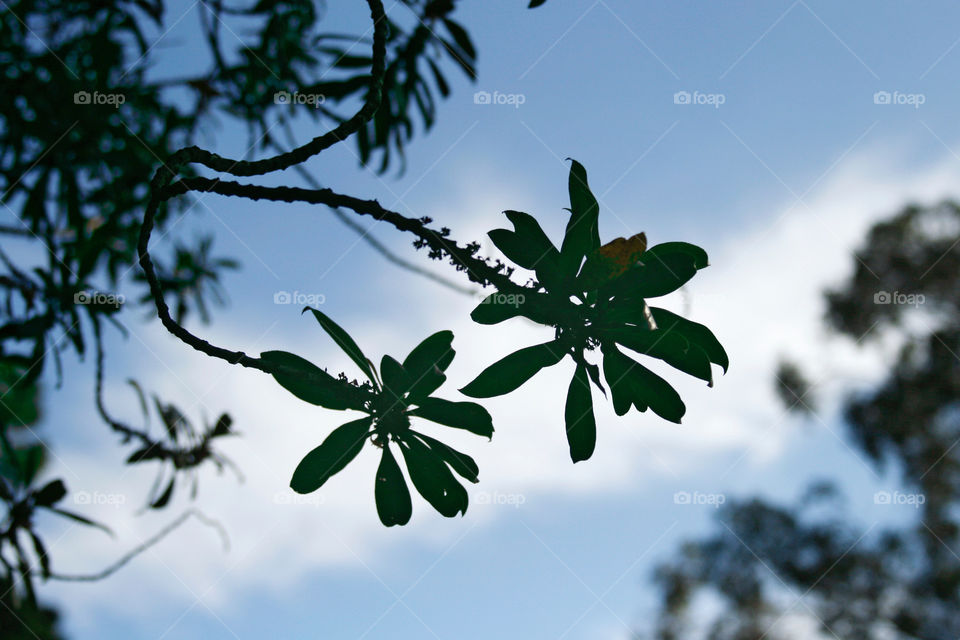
x=84, y=121
x=595, y=296
x=849, y=581
x=793, y=388
x=89, y=186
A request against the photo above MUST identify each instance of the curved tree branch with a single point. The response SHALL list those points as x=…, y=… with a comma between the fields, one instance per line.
x=149, y=542
x=161, y=189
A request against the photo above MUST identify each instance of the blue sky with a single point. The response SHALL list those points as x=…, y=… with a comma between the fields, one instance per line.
x=778, y=183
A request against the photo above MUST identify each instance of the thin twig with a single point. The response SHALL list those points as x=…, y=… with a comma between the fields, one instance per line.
x=153, y=540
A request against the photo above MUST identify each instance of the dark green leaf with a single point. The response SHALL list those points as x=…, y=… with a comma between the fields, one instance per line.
x=656, y=275
x=582, y=235
x=509, y=373
x=632, y=383
x=173, y=420
x=460, y=58
x=698, y=255
x=164, y=498
x=433, y=479
x=497, y=307
x=528, y=230
x=625, y=310
x=222, y=427
x=594, y=372
x=578, y=414
x=461, y=415
x=427, y=362
x=140, y=396
x=315, y=385
x=345, y=342
x=442, y=84
x=336, y=451
x=149, y=452
x=694, y=332
x=459, y=462
x=18, y=393
x=616, y=371
x=81, y=519
x=51, y=493
x=461, y=37
x=42, y=556
x=668, y=346
x=390, y=491
x=394, y=377
x=29, y=460
x=529, y=247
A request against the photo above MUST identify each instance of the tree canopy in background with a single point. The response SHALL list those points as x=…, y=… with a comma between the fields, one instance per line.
x=768, y=564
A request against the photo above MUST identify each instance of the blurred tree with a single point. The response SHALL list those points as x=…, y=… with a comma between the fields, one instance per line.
x=766, y=563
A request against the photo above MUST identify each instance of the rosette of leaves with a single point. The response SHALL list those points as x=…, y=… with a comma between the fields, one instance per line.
x=389, y=397
x=595, y=296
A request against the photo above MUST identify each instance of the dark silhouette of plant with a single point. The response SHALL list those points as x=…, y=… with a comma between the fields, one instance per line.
x=83, y=192
x=399, y=391
x=595, y=296
x=84, y=119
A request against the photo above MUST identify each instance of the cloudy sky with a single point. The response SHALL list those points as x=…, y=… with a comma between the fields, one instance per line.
x=771, y=133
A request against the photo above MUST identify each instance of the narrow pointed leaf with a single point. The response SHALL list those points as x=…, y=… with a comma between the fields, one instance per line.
x=433, y=479
x=463, y=464
x=670, y=347
x=460, y=415
x=509, y=373
x=345, y=342
x=694, y=332
x=42, y=555
x=314, y=385
x=81, y=519
x=497, y=307
x=631, y=382
x=164, y=497
x=582, y=235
